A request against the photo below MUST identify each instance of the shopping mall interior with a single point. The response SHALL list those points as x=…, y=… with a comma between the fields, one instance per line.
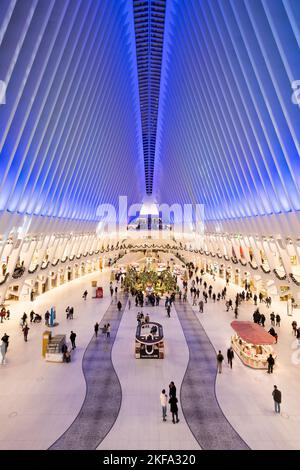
x=149, y=225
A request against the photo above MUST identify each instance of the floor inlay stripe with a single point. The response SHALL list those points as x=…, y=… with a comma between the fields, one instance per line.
x=103, y=398
x=199, y=404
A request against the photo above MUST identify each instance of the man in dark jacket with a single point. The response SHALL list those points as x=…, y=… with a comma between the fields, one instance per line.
x=271, y=363
x=119, y=305
x=220, y=359
x=230, y=356
x=72, y=338
x=277, y=398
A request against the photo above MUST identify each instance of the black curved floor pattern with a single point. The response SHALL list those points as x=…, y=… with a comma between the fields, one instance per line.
x=103, y=398
x=198, y=399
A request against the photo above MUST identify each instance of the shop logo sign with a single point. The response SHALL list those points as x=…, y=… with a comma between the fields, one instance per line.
x=2, y=92
x=296, y=93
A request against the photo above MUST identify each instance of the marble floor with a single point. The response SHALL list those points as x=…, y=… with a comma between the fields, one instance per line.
x=40, y=400
x=139, y=424
x=244, y=394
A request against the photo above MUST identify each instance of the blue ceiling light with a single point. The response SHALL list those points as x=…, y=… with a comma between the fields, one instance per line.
x=229, y=135
x=149, y=21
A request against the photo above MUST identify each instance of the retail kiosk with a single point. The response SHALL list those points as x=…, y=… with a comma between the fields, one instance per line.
x=252, y=344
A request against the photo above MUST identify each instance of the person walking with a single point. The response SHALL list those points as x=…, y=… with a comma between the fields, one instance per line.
x=236, y=311
x=272, y=318
x=220, y=359
x=96, y=329
x=72, y=338
x=201, y=305
x=277, y=398
x=5, y=340
x=174, y=409
x=230, y=356
x=24, y=318
x=294, y=328
x=108, y=330
x=163, y=402
x=47, y=316
x=25, y=332
x=271, y=363
x=172, y=389
x=169, y=310
x=119, y=305
x=278, y=320
x=3, y=352
x=84, y=295
x=129, y=304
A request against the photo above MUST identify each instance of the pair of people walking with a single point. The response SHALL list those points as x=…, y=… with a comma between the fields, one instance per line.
x=172, y=402
x=220, y=359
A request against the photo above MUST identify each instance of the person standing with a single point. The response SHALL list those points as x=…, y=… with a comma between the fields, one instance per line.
x=277, y=399
x=119, y=305
x=25, y=332
x=172, y=389
x=73, y=338
x=230, y=356
x=271, y=363
x=220, y=359
x=174, y=409
x=108, y=330
x=84, y=295
x=294, y=327
x=5, y=339
x=163, y=402
x=47, y=316
x=129, y=304
x=96, y=329
x=169, y=310
x=201, y=305
x=3, y=351
x=278, y=320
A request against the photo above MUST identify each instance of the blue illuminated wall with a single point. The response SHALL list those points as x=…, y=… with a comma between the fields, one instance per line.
x=221, y=127
x=229, y=133
x=69, y=131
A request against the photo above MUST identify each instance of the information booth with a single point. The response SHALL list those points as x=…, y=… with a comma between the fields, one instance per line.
x=149, y=341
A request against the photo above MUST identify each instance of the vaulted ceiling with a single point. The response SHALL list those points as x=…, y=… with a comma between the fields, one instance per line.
x=190, y=101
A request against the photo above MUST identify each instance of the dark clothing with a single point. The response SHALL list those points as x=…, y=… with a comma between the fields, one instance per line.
x=172, y=391
x=174, y=408
x=230, y=356
x=119, y=305
x=72, y=338
x=277, y=395
x=173, y=404
x=271, y=363
x=25, y=331
x=5, y=341
x=96, y=328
